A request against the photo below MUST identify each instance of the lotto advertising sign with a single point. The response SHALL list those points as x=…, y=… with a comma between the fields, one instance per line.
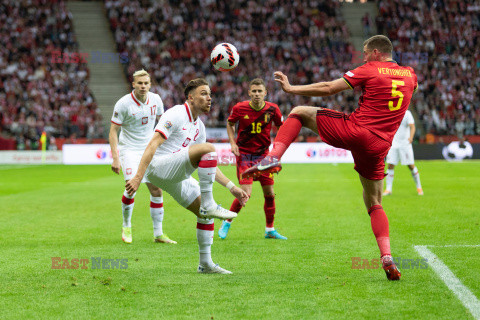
x=316, y=153
x=87, y=154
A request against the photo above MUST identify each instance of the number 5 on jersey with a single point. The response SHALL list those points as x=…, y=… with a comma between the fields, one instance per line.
x=396, y=93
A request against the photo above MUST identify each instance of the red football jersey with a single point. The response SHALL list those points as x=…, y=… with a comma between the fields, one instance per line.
x=253, y=132
x=386, y=92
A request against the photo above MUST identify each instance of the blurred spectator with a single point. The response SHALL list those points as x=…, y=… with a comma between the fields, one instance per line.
x=440, y=40
x=173, y=40
x=38, y=91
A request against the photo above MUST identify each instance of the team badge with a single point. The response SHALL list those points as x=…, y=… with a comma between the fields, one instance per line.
x=246, y=117
x=350, y=74
x=144, y=120
x=115, y=114
x=168, y=125
x=267, y=117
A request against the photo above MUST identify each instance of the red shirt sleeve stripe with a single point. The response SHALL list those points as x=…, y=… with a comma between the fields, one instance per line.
x=163, y=134
x=118, y=124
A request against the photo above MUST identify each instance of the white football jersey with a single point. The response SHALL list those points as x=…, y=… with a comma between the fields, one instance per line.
x=137, y=120
x=180, y=130
x=403, y=133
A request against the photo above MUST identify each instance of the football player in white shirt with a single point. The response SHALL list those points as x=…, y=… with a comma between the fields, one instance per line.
x=176, y=150
x=134, y=116
x=402, y=151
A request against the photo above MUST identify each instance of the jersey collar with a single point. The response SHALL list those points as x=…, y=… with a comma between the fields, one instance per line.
x=251, y=106
x=189, y=113
x=138, y=102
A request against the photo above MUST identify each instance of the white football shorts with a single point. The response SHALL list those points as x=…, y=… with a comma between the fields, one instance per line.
x=173, y=173
x=403, y=154
x=130, y=160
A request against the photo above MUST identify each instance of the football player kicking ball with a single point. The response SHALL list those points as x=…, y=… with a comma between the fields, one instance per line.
x=134, y=116
x=175, y=151
x=368, y=132
x=255, y=118
x=402, y=151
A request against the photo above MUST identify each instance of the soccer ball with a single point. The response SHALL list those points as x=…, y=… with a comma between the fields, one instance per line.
x=224, y=57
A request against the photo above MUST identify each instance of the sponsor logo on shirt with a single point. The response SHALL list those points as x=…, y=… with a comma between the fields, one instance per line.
x=246, y=117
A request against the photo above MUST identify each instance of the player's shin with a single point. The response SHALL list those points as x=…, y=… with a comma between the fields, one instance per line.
x=269, y=208
x=156, y=212
x=235, y=207
x=127, y=208
x=389, y=180
x=287, y=133
x=379, y=222
x=207, y=168
x=416, y=177
x=205, y=230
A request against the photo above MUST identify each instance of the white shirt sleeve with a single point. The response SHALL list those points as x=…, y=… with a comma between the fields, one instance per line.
x=118, y=113
x=168, y=123
x=160, y=106
x=202, y=137
x=409, y=117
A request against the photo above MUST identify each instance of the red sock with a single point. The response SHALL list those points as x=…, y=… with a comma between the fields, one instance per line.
x=379, y=221
x=235, y=207
x=287, y=133
x=269, y=208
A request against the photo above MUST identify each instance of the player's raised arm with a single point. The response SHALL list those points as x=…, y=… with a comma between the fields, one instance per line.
x=237, y=192
x=132, y=185
x=231, y=138
x=319, y=89
x=113, y=140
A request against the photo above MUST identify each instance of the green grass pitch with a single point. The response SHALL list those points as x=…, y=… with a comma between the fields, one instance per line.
x=74, y=212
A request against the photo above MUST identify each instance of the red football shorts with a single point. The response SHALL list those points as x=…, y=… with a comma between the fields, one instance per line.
x=245, y=161
x=368, y=150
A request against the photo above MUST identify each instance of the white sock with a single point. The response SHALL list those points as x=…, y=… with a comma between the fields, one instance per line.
x=127, y=208
x=389, y=179
x=156, y=212
x=416, y=178
x=207, y=168
x=269, y=229
x=205, y=230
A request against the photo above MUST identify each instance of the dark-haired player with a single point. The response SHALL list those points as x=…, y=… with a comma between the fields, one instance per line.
x=368, y=132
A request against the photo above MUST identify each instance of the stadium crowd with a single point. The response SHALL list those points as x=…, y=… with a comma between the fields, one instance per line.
x=439, y=38
x=38, y=91
x=173, y=40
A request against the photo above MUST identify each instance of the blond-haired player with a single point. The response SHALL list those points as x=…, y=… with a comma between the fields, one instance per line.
x=134, y=116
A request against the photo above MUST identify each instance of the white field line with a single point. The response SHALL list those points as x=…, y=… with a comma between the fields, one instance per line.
x=455, y=246
x=466, y=297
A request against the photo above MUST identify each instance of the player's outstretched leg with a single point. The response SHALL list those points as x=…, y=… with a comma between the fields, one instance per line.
x=379, y=222
x=207, y=168
x=205, y=230
x=287, y=133
x=128, y=202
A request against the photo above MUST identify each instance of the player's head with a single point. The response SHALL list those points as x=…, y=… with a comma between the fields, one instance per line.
x=377, y=48
x=257, y=92
x=198, y=95
x=141, y=82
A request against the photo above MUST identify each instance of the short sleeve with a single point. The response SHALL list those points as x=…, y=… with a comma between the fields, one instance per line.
x=160, y=106
x=278, y=120
x=358, y=76
x=118, y=114
x=202, y=137
x=168, y=123
x=234, y=115
x=409, y=117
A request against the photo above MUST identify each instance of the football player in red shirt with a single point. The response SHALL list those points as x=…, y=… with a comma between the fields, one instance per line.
x=255, y=119
x=368, y=132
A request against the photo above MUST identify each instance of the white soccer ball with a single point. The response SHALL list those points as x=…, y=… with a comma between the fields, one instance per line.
x=224, y=57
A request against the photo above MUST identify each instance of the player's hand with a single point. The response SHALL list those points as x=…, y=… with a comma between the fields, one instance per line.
x=116, y=166
x=132, y=185
x=410, y=140
x=240, y=194
x=235, y=150
x=283, y=80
